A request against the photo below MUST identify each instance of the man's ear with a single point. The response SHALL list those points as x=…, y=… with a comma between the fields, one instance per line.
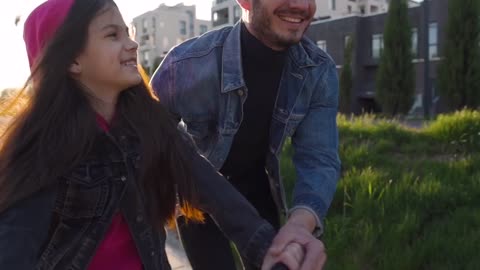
x=75, y=68
x=245, y=4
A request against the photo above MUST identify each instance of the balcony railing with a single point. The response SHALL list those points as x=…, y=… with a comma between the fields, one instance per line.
x=217, y=2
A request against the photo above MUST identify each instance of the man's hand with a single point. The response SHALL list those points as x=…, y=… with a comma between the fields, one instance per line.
x=292, y=257
x=297, y=231
x=303, y=218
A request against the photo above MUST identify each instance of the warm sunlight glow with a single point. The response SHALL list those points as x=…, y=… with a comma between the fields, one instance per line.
x=14, y=69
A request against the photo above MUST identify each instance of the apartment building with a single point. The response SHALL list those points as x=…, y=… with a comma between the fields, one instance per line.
x=341, y=8
x=158, y=30
x=227, y=12
x=331, y=35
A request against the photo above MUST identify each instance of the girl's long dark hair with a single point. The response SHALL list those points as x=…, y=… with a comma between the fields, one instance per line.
x=57, y=129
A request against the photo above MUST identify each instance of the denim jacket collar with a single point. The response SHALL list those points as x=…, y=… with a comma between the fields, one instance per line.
x=300, y=57
x=232, y=72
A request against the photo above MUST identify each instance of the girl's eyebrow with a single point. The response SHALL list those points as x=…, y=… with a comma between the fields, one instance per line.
x=116, y=26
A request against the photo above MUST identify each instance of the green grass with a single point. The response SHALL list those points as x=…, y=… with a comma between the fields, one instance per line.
x=407, y=198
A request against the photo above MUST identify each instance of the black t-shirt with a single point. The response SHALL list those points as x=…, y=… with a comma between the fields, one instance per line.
x=262, y=71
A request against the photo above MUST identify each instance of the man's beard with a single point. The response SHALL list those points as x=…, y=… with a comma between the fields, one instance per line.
x=262, y=24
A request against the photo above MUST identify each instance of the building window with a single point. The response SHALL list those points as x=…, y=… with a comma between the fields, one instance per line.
x=377, y=45
x=183, y=27
x=144, y=25
x=154, y=22
x=346, y=40
x=166, y=44
x=146, y=58
x=220, y=17
x=203, y=29
x=191, y=23
x=373, y=9
x=333, y=4
x=349, y=9
x=362, y=10
x=145, y=38
x=237, y=13
x=433, y=40
x=322, y=44
x=414, y=41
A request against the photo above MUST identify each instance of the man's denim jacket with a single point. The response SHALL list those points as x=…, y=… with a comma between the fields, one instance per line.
x=62, y=227
x=201, y=82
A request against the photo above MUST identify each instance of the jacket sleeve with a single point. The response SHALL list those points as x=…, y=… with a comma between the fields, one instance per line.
x=163, y=84
x=315, y=144
x=234, y=215
x=24, y=230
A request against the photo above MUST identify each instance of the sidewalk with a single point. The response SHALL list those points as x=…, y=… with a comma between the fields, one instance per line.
x=175, y=253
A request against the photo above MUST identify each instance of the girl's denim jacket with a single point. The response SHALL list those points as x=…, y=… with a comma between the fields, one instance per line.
x=62, y=226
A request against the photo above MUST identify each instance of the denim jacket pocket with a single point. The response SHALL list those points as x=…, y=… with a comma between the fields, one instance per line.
x=85, y=193
x=293, y=121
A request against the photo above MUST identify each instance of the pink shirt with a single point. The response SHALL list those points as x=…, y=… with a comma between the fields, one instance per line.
x=117, y=249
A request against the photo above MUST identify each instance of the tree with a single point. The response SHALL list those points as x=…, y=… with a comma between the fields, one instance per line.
x=346, y=81
x=459, y=72
x=17, y=20
x=396, y=77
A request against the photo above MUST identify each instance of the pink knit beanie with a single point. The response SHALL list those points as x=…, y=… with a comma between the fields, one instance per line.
x=42, y=24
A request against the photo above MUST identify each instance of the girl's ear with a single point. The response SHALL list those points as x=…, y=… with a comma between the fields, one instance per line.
x=75, y=68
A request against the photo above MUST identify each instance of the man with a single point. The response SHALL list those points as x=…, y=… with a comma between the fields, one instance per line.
x=240, y=91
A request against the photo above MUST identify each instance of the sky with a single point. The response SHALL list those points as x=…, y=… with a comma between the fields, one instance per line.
x=14, y=69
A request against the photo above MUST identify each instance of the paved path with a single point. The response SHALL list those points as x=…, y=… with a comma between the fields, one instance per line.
x=176, y=255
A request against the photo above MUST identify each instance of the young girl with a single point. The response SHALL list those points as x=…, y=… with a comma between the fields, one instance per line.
x=92, y=169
